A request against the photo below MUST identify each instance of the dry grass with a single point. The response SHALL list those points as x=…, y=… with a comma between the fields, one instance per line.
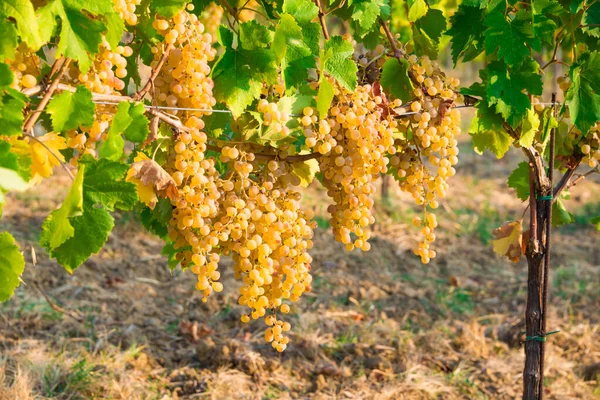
x=377, y=326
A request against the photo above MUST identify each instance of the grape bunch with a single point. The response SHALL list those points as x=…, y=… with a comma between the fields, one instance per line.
x=353, y=140
x=429, y=134
x=25, y=67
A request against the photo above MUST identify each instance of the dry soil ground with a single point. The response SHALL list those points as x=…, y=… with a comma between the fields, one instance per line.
x=377, y=326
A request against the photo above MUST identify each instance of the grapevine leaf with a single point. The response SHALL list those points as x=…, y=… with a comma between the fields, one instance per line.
x=507, y=240
x=115, y=25
x=505, y=89
x=338, y=62
x=113, y=146
x=6, y=76
x=583, y=97
x=71, y=110
x=467, y=33
x=596, y=221
x=151, y=180
x=57, y=227
x=433, y=24
x=240, y=74
x=254, y=35
x=324, y=97
x=80, y=36
x=91, y=230
x=8, y=40
x=423, y=45
x=395, y=80
x=592, y=20
x=306, y=171
x=12, y=265
x=512, y=37
x=304, y=12
x=560, y=215
x=46, y=155
x=170, y=251
x=105, y=184
x=10, y=180
x=543, y=25
x=529, y=129
x=290, y=50
x=137, y=130
x=365, y=12
x=12, y=104
x=416, y=9
x=167, y=8
x=495, y=140
x=24, y=15
x=157, y=220
x=548, y=122
x=519, y=180
x=19, y=159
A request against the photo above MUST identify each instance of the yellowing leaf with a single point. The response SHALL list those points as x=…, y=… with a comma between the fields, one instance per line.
x=151, y=179
x=306, y=171
x=508, y=239
x=45, y=158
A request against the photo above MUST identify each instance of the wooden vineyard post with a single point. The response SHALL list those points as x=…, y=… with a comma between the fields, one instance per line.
x=538, y=263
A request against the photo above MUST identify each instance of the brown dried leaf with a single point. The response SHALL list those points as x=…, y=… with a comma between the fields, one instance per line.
x=151, y=175
x=508, y=239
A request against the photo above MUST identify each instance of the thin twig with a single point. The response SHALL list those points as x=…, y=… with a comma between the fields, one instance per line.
x=56, y=307
x=322, y=19
x=38, y=111
x=140, y=95
x=62, y=164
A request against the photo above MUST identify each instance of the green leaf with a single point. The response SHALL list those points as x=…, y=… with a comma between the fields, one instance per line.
x=8, y=40
x=12, y=103
x=324, y=97
x=560, y=215
x=497, y=141
x=157, y=220
x=365, y=12
x=80, y=35
x=24, y=15
x=6, y=76
x=71, y=110
x=306, y=171
x=596, y=221
x=113, y=146
x=115, y=26
x=240, y=74
x=512, y=37
x=16, y=157
x=395, y=80
x=519, y=180
x=57, y=227
x=583, y=97
x=416, y=9
x=12, y=265
x=592, y=19
x=433, y=24
x=529, y=129
x=338, y=62
x=91, y=233
x=304, y=12
x=467, y=33
x=105, y=184
x=290, y=50
x=167, y=8
x=137, y=131
x=10, y=180
x=254, y=35
x=505, y=89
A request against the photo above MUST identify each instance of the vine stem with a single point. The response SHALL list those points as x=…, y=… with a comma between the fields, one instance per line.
x=398, y=54
x=140, y=95
x=175, y=123
x=44, y=102
x=322, y=19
